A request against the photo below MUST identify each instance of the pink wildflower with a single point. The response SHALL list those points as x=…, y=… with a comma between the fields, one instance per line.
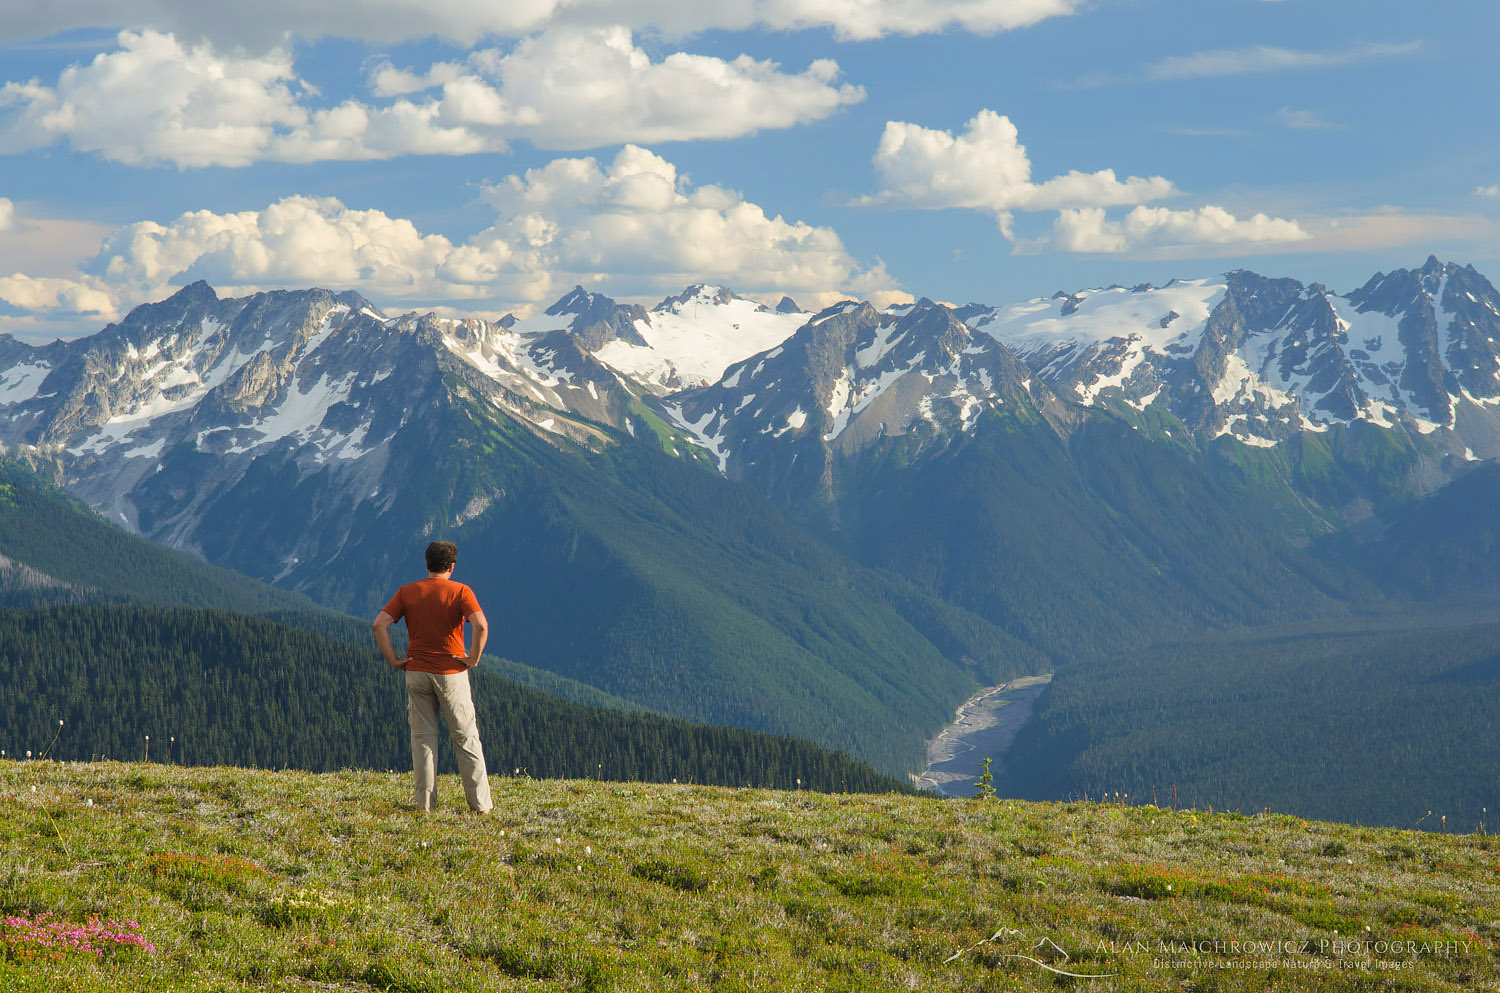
x=49, y=931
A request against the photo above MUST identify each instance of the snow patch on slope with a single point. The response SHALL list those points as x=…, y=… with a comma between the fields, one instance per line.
x=697, y=341
x=1102, y=315
x=21, y=382
x=302, y=412
x=699, y=430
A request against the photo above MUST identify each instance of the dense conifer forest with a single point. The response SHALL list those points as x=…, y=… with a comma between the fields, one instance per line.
x=216, y=688
x=1380, y=720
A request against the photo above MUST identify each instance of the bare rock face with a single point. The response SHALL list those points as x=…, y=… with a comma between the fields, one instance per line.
x=598, y=320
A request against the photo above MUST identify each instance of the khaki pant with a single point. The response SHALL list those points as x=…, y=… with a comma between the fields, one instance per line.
x=426, y=694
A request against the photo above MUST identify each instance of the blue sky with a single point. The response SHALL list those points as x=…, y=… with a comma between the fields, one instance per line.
x=480, y=158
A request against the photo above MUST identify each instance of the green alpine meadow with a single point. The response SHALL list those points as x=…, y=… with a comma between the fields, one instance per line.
x=135, y=876
x=955, y=496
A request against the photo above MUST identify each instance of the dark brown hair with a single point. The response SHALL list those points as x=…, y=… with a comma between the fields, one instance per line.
x=441, y=555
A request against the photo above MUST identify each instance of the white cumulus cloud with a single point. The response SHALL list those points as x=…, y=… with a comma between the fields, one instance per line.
x=158, y=100
x=632, y=227
x=7, y=214
x=860, y=20
x=268, y=23
x=586, y=88
x=1487, y=191
x=52, y=293
x=297, y=240
x=987, y=168
x=637, y=219
x=388, y=81
x=1088, y=229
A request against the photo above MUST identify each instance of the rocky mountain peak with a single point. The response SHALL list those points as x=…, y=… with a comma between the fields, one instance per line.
x=195, y=298
x=1261, y=300
x=576, y=301
x=356, y=303
x=599, y=319
x=1400, y=289
x=699, y=294
x=196, y=293
x=935, y=331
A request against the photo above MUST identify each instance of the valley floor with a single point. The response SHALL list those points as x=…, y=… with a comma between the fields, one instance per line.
x=983, y=727
x=128, y=877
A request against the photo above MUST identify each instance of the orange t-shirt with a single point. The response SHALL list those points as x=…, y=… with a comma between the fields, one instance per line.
x=434, y=610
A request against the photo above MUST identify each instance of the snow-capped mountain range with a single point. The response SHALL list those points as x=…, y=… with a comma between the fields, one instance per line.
x=154, y=418
x=323, y=380
x=1255, y=359
x=1414, y=348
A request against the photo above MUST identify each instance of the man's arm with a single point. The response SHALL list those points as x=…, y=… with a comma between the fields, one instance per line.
x=481, y=635
x=382, y=629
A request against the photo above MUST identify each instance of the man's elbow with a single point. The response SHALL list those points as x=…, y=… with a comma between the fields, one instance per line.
x=381, y=622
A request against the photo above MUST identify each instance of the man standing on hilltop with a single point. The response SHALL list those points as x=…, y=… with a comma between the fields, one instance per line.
x=437, y=673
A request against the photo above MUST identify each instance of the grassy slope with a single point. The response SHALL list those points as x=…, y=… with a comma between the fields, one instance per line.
x=251, y=880
x=55, y=534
